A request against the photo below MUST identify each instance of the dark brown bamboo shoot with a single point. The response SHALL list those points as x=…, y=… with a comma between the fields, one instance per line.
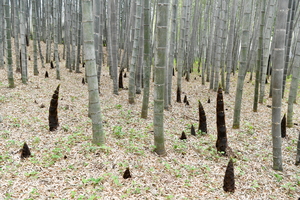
x=185, y=99
x=221, y=143
x=202, y=119
x=127, y=174
x=229, y=185
x=51, y=65
x=283, y=126
x=27, y=40
x=178, y=97
x=187, y=103
x=53, y=119
x=183, y=136
x=121, y=79
x=298, y=151
x=25, y=151
x=193, y=132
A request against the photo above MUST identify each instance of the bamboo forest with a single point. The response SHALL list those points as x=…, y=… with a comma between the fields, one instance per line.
x=158, y=99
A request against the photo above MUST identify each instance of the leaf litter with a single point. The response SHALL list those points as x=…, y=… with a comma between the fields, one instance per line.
x=64, y=163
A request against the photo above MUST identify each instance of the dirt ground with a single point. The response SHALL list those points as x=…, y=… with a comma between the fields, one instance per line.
x=65, y=165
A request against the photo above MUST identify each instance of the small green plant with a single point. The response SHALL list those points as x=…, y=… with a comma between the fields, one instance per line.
x=167, y=165
x=34, y=192
x=180, y=147
x=289, y=148
x=92, y=181
x=105, y=149
x=56, y=154
x=73, y=194
x=170, y=196
x=118, y=106
x=255, y=184
x=8, y=195
x=5, y=134
x=116, y=180
x=250, y=128
x=278, y=177
x=117, y=132
x=66, y=128
x=73, y=98
x=289, y=186
x=36, y=139
x=2, y=98
x=71, y=167
x=29, y=174
x=34, y=160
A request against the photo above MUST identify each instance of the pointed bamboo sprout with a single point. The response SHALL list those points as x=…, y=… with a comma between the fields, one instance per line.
x=221, y=125
x=183, y=136
x=202, y=119
x=53, y=119
x=127, y=174
x=25, y=151
x=283, y=126
x=229, y=184
x=193, y=132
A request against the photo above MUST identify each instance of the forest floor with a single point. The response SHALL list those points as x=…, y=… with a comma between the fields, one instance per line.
x=65, y=165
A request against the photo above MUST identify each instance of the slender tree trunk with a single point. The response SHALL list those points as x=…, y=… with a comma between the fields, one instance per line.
x=170, y=58
x=207, y=40
x=229, y=61
x=55, y=19
x=243, y=61
x=140, y=58
x=38, y=35
x=159, y=80
x=73, y=36
x=181, y=52
x=132, y=68
x=59, y=34
x=260, y=55
x=97, y=11
x=79, y=34
x=34, y=25
x=24, y=73
x=298, y=150
x=48, y=32
x=1, y=38
x=10, y=73
x=100, y=48
x=289, y=34
x=277, y=76
x=147, y=59
x=127, y=42
x=16, y=35
x=67, y=39
x=114, y=45
x=27, y=10
x=294, y=83
x=218, y=39
x=91, y=72
x=267, y=39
